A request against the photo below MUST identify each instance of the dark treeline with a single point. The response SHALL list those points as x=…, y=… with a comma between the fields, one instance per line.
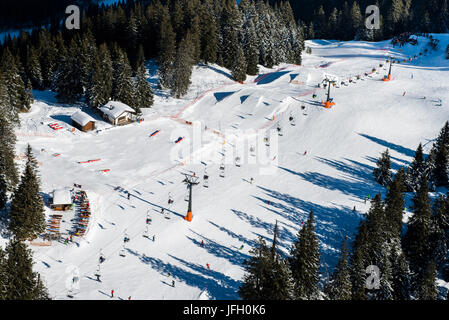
x=345, y=19
x=104, y=58
x=28, y=13
x=408, y=257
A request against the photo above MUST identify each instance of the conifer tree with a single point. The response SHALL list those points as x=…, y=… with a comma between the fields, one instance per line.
x=394, y=204
x=21, y=282
x=427, y=288
x=34, y=70
x=359, y=263
x=382, y=174
x=182, y=68
x=27, y=219
x=239, y=66
x=340, y=285
x=304, y=262
x=13, y=81
x=251, y=50
x=167, y=53
x=143, y=91
x=3, y=187
x=209, y=33
x=268, y=276
x=71, y=74
x=416, y=240
x=417, y=170
x=7, y=149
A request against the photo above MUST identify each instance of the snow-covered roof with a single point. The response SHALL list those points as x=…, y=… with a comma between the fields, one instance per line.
x=62, y=196
x=82, y=118
x=115, y=109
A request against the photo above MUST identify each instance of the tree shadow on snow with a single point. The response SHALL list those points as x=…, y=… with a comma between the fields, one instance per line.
x=390, y=145
x=218, y=285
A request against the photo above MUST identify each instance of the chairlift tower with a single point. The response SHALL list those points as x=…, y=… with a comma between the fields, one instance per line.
x=331, y=80
x=388, y=77
x=190, y=180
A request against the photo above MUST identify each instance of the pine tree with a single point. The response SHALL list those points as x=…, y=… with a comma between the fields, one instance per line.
x=340, y=285
x=21, y=282
x=394, y=204
x=268, y=276
x=416, y=240
x=359, y=263
x=3, y=187
x=123, y=82
x=304, y=262
x=427, y=289
x=143, y=91
x=182, y=68
x=400, y=275
x=7, y=148
x=209, y=33
x=251, y=50
x=13, y=81
x=167, y=53
x=70, y=76
x=416, y=170
x=382, y=174
x=27, y=219
x=34, y=70
x=239, y=66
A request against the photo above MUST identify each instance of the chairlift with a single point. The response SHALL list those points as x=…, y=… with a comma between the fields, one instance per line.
x=122, y=252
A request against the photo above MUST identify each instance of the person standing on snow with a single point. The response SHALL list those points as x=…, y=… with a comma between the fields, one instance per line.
x=112, y=293
x=129, y=195
x=173, y=283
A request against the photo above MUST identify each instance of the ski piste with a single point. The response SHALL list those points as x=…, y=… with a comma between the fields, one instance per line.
x=340, y=146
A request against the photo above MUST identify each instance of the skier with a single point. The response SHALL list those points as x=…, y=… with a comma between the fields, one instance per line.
x=252, y=180
x=353, y=209
x=241, y=247
x=202, y=243
x=162, y=211
x=71, y=238
x=66, y=241
x=173, y=283
x=305, y=152
x=98, y=277
x=208, y=266
x=403, y=94
x=129, y=195
x=314, y=96
x=112, y=293
x=154, y=237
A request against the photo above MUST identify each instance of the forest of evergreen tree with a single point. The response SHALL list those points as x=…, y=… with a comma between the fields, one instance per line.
x=345, y=19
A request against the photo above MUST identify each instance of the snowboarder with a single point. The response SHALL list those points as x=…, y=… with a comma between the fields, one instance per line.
x=112, y=293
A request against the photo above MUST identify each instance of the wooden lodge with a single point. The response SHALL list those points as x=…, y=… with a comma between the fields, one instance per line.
x=82, y=121
x=62, y=200
x=117, y=113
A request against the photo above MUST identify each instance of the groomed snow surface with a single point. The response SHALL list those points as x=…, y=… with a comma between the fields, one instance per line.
x=342, y=144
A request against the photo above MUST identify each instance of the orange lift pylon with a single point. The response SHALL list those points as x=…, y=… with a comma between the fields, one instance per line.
x=190, y=180
x=388, y=77
x=328, y=103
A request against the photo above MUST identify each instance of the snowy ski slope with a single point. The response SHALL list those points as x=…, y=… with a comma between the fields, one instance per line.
x=342, y=144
